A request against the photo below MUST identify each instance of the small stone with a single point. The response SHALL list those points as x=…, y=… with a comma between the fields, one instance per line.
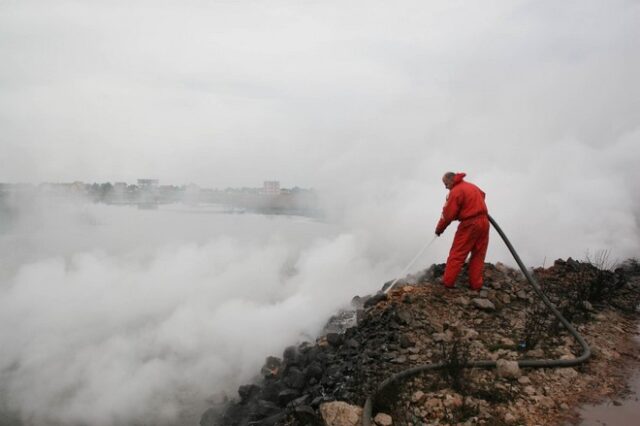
x=403, y=316
x=442, y=337
x=452, y=400
x=417, y=396
x=339, y=413
x=399, y=360
x=314, y=371
x=535, y=353
x=353, y=344
x=286, y=396
x=433, y=404
x=507, y=369
x=529, y=390
x=507, y=342
x=407, y=299
x=266, y=408
x=510, y=418
x=406, y=342
x=567, y=373
x=471, y=334
x=382, y=419
x=547, y=402
x=502, y=268
x=524, y=380
x=291, y=356
x=334, y=339
x=247, y=391
x=304, y=414
x=374, y=300
x=464, y=301
x=483, y=304
x=271, y=367
x=295, y=378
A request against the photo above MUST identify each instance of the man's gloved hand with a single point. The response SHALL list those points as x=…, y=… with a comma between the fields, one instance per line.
x=438, y=232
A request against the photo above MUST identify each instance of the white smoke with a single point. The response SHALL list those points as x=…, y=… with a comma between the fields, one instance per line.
x=99, y=338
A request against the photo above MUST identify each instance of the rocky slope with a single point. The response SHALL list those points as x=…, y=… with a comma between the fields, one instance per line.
x=419, y=322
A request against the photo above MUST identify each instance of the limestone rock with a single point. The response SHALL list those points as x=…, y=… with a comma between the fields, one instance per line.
x=484, y=304
x=433, y=405
x=452, y=401
x=471, y=334
x=382, y=419
x=524, y=380
x=509, y=418
x=535, y=353
x=339, y=413
x=464, y=301
x=507, y=369
x=567, y=373
x=507, y=341
x=417, y=396
x=502, y=268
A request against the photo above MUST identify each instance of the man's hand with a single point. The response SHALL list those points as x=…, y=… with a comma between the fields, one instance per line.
x=438, y=233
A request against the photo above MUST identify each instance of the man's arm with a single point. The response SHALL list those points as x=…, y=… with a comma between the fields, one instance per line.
x=450, y=212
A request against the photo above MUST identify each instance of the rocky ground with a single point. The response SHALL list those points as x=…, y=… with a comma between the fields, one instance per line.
x=419, y=322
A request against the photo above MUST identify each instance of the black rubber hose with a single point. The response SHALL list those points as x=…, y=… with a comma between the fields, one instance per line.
x=527, y=363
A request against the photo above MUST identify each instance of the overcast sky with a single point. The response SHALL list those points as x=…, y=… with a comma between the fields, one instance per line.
x=369, y=101
x=227, y=93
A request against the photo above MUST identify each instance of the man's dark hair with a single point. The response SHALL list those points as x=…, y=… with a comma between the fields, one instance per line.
x=449, y=175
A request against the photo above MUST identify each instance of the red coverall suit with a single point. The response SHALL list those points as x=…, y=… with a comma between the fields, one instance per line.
x=465, y=203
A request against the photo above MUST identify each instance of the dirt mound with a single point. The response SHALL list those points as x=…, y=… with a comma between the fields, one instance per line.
x=420, y=322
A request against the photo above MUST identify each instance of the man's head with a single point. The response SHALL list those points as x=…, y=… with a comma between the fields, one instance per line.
x=447, y=179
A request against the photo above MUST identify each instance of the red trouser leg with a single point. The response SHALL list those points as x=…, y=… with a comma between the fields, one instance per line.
x=462, y=244
x=478, y=252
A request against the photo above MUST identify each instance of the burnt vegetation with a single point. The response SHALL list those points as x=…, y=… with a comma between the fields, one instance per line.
x=578, y=289
x=455, y=357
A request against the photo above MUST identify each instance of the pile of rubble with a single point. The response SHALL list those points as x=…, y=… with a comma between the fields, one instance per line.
x=326, y=382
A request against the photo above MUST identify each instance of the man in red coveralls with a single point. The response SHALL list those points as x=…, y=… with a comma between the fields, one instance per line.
x=465, y=203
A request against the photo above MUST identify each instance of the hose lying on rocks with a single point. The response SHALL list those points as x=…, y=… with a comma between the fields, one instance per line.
x=531, y=363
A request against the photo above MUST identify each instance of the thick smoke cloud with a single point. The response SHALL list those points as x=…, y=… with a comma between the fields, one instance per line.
x=103, y=337
x=111, y=315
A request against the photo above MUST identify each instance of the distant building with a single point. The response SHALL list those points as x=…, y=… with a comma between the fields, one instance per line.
x=191, y=194
x=148, y=193
x=148, y=184
x=271, y=187
x=119, y=192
